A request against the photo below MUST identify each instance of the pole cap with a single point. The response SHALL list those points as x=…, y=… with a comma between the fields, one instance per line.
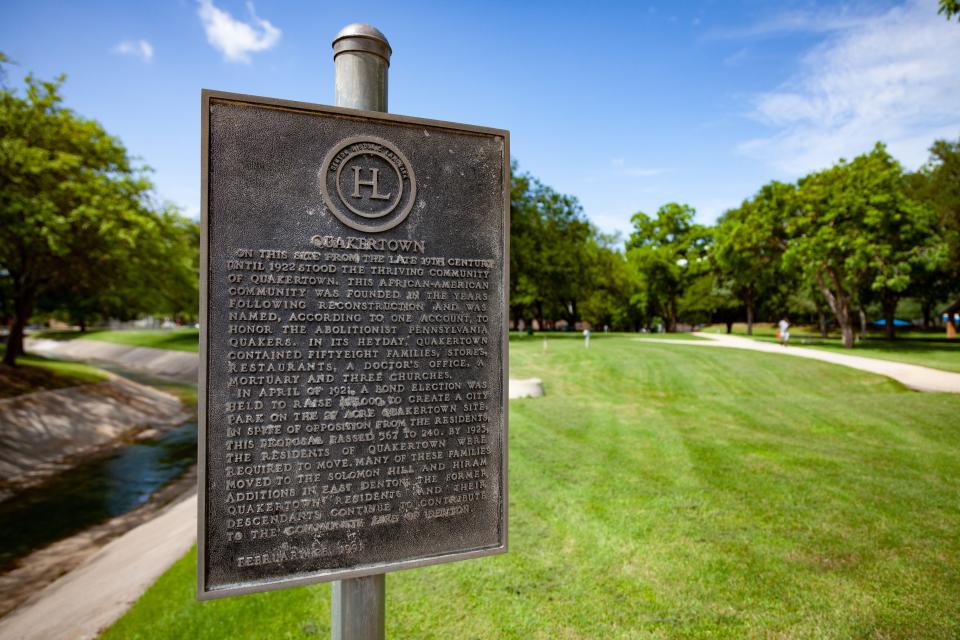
x=362, y=37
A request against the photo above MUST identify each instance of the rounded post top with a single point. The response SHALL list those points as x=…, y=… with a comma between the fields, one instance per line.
x=362, y=37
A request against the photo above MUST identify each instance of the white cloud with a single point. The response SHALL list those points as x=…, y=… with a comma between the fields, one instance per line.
x=621, y=168
x=737, y=58
x=641, y=172
x=891, y=77
x=136, y=48
x=236, y=39
x=822, y=21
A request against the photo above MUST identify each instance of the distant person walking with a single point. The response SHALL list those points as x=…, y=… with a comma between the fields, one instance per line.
x=586, y=338
x=783, y=331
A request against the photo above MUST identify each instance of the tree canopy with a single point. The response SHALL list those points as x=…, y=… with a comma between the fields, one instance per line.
x=857, y=235
x=670, y=252
x=82, y=238
x=750, y=241
x=78, y=230
x=949, y=8
x=862, y=234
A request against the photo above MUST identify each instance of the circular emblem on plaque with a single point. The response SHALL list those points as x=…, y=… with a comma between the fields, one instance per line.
x=368, y=184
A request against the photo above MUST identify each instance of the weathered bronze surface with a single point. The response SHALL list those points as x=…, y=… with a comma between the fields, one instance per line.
x=353, y=343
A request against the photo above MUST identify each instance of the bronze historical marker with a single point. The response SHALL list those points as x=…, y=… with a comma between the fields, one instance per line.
x=353, y=343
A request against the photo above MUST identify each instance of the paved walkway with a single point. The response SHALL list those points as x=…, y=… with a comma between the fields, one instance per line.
x=84, y=602
x=910, y=375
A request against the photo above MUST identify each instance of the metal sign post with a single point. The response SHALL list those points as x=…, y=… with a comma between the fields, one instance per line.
x=353, y=400
x=361, y=55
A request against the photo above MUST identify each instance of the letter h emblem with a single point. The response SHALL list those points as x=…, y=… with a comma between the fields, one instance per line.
x=372, y=183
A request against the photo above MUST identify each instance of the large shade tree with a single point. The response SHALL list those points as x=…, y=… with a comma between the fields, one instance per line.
x=77, y=228
x=858, y=236
x=549, y=238
x=669, y=251
x=937, y=185
x=749, y=246
x=610, y=301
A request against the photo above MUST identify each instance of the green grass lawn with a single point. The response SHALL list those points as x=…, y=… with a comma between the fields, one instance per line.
x=185, y=339
x=35, y=373
x=578, y=336
x=665, y=492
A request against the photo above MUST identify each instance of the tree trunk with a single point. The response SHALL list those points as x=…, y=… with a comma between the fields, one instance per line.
x=671, y=317
x=927, y=315
x=729, y=327
x=840, y=305
x=847, y=334
x=863, y=324
x=823, y=323
x=889, y=311
x=750, y=315
x=22, y=309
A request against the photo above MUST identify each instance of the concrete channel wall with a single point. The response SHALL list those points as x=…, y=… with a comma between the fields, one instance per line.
x=180, y=366
x=42, y=432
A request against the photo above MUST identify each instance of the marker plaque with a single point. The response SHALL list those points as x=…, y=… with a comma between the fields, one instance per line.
x=353, y=407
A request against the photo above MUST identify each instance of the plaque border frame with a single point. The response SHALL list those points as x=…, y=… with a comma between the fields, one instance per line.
x=208, y=96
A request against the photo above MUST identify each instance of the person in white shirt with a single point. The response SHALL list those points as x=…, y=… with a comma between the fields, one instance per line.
x=783, y=332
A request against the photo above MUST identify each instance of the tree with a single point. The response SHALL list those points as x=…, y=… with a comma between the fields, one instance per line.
x=548, y=251
x=750, y=241
x=949, y=8
x=669, y=252
x=564, y=236
x=76, y=223
x=154, y=271
x=856, y=233
x=707, y=299
x=937, y=184
x=524, y=292
x=613, y=285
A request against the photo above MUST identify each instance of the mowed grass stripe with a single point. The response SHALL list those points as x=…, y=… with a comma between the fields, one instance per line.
x=666, y=491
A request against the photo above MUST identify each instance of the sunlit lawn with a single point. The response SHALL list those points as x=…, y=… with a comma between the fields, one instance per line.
x=665, y=492
x=577, y=336
x=183, y=339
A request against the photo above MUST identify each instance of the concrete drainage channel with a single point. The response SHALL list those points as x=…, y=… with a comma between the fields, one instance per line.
x=180, y=365
x=89, y=466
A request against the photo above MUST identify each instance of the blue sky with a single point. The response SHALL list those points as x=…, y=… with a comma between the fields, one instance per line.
x=625, y=105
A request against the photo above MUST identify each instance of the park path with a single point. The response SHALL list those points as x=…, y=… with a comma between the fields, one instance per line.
x=910, y=375
x=83, y=602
